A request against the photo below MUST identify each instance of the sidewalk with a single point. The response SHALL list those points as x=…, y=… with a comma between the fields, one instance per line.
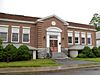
x=42, y=69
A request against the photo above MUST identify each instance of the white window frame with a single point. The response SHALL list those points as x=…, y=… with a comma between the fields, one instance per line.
x=77, y=34
x=5, y=26
x=83, y=35
x=26, y=33
x=89, y=35
x=15, y=32
x=70, y=34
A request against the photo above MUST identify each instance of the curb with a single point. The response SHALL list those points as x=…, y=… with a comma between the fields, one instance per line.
x=46, y=69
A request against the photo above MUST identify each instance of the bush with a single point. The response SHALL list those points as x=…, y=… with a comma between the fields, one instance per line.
x=9, y=53
x=1, y=50
x=87, y=52
x=96, y=51
x=23, y=53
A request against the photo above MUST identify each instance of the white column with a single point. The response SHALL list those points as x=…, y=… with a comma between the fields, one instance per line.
x=59, y=41
x=34, y=54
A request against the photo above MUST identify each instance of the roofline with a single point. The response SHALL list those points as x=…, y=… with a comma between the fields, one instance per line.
x=82, y=28
x=19, y=21
x=41, y=20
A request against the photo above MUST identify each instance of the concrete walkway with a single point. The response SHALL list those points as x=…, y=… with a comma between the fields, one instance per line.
x=66, y=66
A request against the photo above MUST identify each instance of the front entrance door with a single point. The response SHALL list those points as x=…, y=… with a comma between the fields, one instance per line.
x=54, y=45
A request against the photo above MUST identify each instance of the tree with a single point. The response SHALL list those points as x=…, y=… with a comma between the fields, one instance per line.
x=95, y=21
x=23, y=53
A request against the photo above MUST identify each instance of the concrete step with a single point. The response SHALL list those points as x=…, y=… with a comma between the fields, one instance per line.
x=59, y=55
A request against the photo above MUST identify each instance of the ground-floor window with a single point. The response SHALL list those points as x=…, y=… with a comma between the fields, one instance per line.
x=3, y=36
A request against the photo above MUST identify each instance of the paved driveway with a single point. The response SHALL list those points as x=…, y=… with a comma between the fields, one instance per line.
x=70, y=61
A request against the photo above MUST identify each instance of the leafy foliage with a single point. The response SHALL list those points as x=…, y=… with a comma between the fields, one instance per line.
x=96, y=21
x=86, y=53
x=23, y=53
x=96, y=51
x=10, y=53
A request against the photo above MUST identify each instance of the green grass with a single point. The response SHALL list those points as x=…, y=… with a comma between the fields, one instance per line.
x=30, y=63
x=88, y=59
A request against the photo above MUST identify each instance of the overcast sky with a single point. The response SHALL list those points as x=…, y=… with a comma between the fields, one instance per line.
x=79, y=11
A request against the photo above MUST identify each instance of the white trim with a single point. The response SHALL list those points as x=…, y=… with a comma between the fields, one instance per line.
x=4, y=25
x=12, y=20
x=89, y=37
x=56, y=32
x=41, y=20
x=82, y=28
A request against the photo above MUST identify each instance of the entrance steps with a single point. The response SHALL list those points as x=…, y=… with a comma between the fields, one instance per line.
x=59, y=55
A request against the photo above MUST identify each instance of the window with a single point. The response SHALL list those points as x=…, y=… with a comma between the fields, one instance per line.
x=89, y=39
x=70, y=37
x=14, y=36
x=3, y=36
x=77, y=39
x=4, y=33
x=25, y=37
x=15, y=33
x=83, y=38
x=26, y=34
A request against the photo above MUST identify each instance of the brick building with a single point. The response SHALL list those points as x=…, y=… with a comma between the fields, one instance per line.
x=46, y=33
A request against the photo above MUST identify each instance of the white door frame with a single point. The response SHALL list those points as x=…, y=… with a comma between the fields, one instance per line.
x=54, y=31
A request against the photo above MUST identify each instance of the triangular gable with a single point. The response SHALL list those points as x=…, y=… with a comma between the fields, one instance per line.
x=65, y=23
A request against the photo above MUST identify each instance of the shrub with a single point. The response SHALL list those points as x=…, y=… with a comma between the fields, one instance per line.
x=96, y=51
x=1, y=50
x=9, y=53
x=23, y=53
x=86, y=52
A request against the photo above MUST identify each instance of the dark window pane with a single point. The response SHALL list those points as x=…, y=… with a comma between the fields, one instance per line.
x=69, y=39
x=25, y=37
x=15, y=37
x=88, y=40
x=76, y=39
x=83, y=40
x=3, y=35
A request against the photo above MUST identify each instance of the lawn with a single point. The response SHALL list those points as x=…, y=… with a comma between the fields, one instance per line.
x=88, y=59
x=30, y=63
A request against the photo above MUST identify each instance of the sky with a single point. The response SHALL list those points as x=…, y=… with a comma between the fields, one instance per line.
x=79, y=11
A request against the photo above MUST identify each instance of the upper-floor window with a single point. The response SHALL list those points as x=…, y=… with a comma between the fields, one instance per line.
x=77, y=39
x=83, y=38
x=70, y=37
x=15, y=34
x=26, y=34
x=4, y=33
x=89, y=39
